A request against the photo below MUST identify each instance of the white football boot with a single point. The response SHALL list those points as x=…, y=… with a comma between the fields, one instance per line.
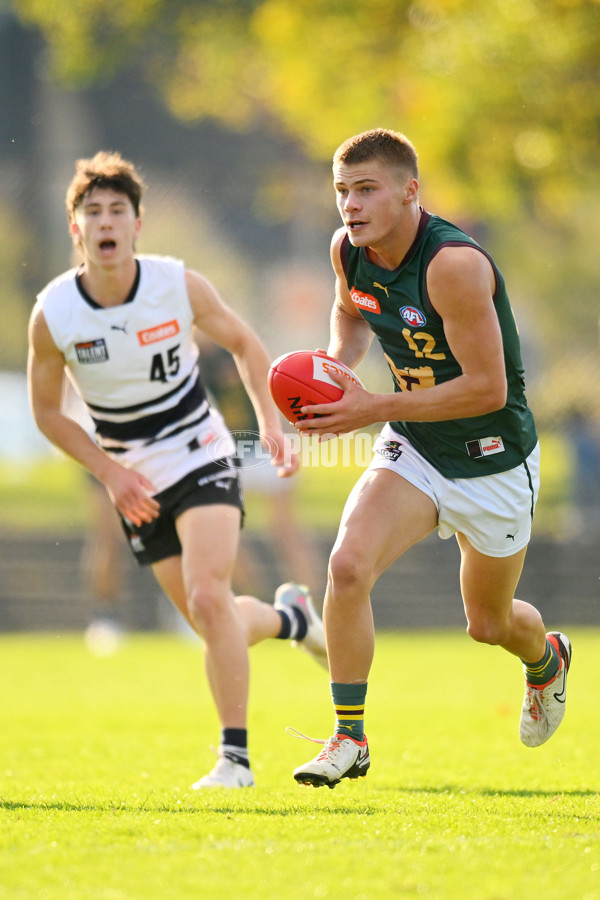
x=226, y=774
x=104, y=636
x=544, y=705
x=291, y=595
x=341, y=757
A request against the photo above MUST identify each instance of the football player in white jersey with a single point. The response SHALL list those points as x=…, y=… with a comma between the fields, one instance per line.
x=120, y=325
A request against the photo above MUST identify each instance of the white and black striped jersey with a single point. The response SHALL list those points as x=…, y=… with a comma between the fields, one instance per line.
x=136, y=368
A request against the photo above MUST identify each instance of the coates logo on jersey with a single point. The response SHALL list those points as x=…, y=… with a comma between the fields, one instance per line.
x=413, y=317
x=365, y=301
x=158, y=333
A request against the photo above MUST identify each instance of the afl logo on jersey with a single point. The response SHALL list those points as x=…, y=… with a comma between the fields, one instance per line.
x=412, y=316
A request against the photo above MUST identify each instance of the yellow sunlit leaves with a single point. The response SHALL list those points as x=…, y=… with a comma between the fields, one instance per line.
x=535, y=148
x=212, y=71
x=87, y=39
x=500, y=94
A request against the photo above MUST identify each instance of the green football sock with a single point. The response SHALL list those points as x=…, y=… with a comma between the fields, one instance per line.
x=349, y=704
x=546, y=668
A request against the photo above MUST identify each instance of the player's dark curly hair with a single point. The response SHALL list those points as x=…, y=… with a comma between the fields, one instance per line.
x=108, y=170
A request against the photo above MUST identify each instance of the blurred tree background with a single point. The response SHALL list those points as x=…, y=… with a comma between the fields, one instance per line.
x=233, y=108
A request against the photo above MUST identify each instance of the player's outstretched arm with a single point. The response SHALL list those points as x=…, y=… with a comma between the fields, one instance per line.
x=129, y=490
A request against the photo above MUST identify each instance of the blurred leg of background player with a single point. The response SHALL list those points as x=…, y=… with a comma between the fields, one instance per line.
x=103, y=571
x=295, y=555
x=103, y=565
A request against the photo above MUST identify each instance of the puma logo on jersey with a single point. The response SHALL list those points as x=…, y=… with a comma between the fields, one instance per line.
x=484, y=447
x=122, y=328
x=381, y=287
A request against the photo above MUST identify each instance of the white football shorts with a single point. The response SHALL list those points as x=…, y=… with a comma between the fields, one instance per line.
x=494, y=512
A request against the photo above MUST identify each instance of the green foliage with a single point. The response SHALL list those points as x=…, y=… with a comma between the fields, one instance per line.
x=500, y=97
x=98, y=756
x=89, y=39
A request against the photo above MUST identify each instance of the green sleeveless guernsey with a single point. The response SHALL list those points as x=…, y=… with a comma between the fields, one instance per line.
x=411, y=334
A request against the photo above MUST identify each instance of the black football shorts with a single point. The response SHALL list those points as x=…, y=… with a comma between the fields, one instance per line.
x=213, y=484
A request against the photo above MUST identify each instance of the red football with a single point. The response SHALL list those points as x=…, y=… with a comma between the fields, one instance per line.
x=302, y=379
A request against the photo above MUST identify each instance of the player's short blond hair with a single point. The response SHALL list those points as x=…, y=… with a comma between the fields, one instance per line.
x=390, y=147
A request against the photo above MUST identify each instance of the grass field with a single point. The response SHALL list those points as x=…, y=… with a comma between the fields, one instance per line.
x=97, y=756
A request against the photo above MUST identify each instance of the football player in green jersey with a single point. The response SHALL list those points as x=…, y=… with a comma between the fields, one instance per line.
x=459, y=450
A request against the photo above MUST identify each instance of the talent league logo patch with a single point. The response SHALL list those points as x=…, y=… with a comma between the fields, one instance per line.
x=413, y=317
x=92, y=351
x=158, y=333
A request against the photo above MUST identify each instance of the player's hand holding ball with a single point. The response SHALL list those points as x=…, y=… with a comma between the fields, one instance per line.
x=305, y=383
